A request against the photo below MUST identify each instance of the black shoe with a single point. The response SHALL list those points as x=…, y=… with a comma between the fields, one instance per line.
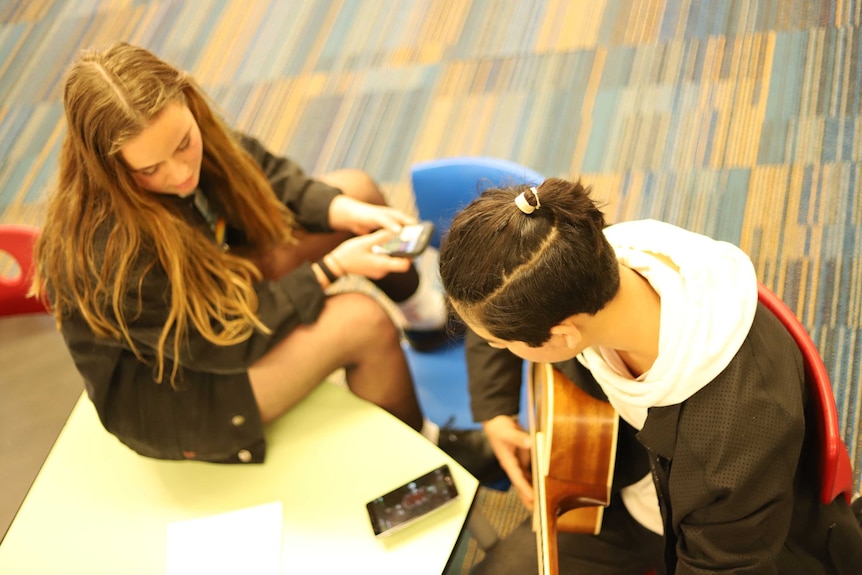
x=451, y=334
x=427, y=340
x=471, y=449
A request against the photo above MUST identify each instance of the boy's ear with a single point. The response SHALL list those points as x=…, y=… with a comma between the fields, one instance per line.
x=571, y=334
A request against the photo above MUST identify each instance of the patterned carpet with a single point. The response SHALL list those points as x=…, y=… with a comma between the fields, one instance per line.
x=739, y=119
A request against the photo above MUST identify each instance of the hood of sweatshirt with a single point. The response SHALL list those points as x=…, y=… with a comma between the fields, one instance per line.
x=708, y=292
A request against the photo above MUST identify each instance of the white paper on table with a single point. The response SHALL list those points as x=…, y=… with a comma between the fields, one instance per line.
x=243, y=541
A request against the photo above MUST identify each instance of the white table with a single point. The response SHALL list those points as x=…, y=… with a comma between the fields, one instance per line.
x=98, y=508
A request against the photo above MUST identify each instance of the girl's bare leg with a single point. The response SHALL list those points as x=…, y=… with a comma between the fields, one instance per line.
x=353, y=331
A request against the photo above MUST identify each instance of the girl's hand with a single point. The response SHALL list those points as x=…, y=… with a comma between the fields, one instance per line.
x=355, y=256
x=349, y=214
x=511, y=445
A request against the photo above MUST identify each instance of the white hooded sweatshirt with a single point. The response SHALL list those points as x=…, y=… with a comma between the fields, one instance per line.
x=708, y=292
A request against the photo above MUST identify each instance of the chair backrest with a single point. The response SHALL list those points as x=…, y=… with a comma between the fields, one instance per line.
x=443, y=186
x=836, y=473
x=18, y=241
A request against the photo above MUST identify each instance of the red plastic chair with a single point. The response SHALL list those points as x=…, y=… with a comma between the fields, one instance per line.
x=836, y=473
x=18, y=241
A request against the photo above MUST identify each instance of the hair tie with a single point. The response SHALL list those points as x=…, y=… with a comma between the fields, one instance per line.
x=524, y=204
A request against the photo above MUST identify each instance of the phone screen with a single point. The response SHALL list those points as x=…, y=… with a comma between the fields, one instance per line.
x=412, y=500
x=410, y=241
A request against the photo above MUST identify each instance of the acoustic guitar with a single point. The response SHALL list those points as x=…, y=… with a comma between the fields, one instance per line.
x=574, y=440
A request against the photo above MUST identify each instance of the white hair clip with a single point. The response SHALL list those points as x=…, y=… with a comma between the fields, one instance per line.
x=524, y=204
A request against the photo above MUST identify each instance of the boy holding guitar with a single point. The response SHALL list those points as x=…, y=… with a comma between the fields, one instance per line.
x=713, y=472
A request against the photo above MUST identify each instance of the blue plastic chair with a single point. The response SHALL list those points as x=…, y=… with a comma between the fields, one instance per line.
x=442, y=188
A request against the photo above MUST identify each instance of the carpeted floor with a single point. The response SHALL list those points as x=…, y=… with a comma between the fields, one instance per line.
x=739, y=119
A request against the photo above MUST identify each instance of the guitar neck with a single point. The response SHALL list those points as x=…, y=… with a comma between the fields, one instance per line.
x=538, y=465
x=540, y=511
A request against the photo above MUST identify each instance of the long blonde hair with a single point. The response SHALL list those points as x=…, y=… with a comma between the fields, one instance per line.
x=103, y=233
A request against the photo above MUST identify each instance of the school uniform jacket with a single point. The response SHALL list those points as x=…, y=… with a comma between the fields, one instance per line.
x=735, y=470
x=211, y=413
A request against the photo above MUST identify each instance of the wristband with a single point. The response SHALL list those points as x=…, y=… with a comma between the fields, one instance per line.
x=330, y=275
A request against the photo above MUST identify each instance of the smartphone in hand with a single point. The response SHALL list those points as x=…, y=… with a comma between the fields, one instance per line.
x=407, y=503
x=409, y=243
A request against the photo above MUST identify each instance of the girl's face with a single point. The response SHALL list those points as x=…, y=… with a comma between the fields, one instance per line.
x=165, y=158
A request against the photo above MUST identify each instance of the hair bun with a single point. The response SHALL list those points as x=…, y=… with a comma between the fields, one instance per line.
x=523, y=201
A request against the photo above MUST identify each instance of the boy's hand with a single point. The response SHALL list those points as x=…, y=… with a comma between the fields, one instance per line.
x=511, y=445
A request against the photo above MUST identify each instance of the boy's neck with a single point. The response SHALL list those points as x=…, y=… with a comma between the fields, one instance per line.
x=636, y=321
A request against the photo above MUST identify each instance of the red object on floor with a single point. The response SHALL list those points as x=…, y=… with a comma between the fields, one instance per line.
x=18, y=241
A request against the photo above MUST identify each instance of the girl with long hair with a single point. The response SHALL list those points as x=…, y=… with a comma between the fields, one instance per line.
x=187, y=268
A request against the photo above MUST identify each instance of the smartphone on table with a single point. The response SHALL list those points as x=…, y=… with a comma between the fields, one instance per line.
x=407, y=503
x=409, y=243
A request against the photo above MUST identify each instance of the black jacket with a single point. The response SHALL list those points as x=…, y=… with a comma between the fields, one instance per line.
x=212, y=414
x=735, y=465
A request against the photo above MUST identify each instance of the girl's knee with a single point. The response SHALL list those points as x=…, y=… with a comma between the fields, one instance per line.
x=380, y=324
x=355, y=184
x=366, y=319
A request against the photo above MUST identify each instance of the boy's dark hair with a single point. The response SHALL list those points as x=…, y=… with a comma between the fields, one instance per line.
x=520, y=274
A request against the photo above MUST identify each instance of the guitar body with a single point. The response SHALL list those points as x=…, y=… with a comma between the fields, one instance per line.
x=574, y=449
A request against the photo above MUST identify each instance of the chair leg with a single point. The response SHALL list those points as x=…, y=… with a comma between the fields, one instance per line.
x=481, y=529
